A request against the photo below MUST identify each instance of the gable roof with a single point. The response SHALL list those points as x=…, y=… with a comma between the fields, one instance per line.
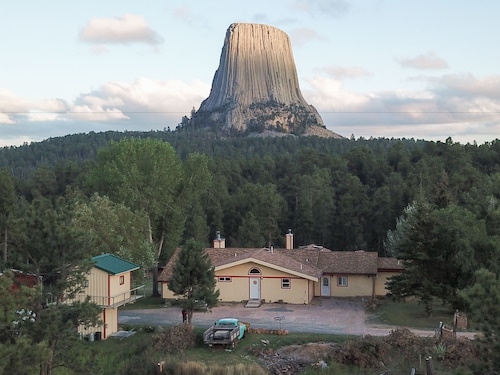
x=112, y=264
x=276, y=258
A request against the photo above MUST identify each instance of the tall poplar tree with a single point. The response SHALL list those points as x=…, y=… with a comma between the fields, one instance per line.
x=147, y=175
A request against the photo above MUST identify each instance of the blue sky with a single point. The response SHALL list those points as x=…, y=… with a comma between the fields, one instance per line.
x=414, y=69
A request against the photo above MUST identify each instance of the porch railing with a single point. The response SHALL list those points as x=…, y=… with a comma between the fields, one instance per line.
x=117, y=300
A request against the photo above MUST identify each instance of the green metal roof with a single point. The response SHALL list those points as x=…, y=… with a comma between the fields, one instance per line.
x=112, y=264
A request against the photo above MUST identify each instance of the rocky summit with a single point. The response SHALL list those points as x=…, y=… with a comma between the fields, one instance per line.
x=256, y=89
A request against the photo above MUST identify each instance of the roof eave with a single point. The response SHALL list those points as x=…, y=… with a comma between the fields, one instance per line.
x=267, y=264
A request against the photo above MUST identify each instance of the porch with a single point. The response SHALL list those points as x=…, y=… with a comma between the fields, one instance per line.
x=117, y=300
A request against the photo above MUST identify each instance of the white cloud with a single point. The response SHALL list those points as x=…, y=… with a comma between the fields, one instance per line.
x=341, y=72
x=332, y=8
x=145, y=100
x=328, y=94
x=15, y=108
x=454, y=105
x=425, y=61
x=128, y=29
x=469, y=86
x=146, y=94
x=11, y=105
x=303, y=36
x=184, y=13
x=6, y=119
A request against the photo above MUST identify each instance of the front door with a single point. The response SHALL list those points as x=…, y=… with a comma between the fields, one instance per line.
x=255, y=288
x=325, y=286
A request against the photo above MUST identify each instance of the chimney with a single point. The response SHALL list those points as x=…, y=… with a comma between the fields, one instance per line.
x=219, y=242
x=289, y=240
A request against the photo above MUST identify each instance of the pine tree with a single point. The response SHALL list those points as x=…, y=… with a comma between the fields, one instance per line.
x=413, y=242
x=483, y=300
x=193, y=278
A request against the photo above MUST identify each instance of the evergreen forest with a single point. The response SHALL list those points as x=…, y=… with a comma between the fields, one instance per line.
x=339, y=193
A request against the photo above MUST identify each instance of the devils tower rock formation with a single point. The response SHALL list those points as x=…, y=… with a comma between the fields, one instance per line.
x=256, y=87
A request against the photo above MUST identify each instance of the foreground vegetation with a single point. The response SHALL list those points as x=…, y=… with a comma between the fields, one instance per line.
x=295, y=353
x=307, y=353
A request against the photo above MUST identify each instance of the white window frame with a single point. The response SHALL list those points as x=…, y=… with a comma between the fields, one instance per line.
x=286, y=281
x=342, y=281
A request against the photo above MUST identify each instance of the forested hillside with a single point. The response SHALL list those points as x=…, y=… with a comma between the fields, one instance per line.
x=343, y=194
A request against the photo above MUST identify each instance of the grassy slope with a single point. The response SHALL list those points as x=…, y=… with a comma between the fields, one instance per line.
x=410, y=314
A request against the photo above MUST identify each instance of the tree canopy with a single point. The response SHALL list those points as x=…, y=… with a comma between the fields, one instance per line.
x=147, y=176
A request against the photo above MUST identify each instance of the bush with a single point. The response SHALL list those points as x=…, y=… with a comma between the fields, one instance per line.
x=176, y=339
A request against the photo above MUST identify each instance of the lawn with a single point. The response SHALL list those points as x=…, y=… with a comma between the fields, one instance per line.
x=410, y=314
x=146, y=302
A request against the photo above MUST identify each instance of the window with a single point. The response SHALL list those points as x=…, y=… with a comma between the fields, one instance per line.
x=286, y=283
x=224, y=279
x=342, y=281
x=122, y=280
x=254, y=271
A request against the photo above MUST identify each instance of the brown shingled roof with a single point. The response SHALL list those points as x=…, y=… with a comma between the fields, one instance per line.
x=389, y=264
x=166, y=274
x=276, y=257
x=311, y=261
x=348, y=262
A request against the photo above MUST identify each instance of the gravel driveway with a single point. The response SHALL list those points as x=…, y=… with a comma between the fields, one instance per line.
x=339, y=316
x=322, y=315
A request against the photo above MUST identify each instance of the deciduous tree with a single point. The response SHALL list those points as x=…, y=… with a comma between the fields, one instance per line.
x=115, y=229
x=147, y=175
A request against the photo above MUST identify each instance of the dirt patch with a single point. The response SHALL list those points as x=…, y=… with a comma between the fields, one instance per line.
x=377, y=353
x=294, y=359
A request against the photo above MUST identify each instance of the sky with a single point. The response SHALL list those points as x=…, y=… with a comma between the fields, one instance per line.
x=372, y=68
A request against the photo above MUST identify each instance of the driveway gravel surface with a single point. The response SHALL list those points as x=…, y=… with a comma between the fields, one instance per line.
x=330, y=315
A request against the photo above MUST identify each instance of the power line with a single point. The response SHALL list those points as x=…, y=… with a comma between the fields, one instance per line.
x=179, y=112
